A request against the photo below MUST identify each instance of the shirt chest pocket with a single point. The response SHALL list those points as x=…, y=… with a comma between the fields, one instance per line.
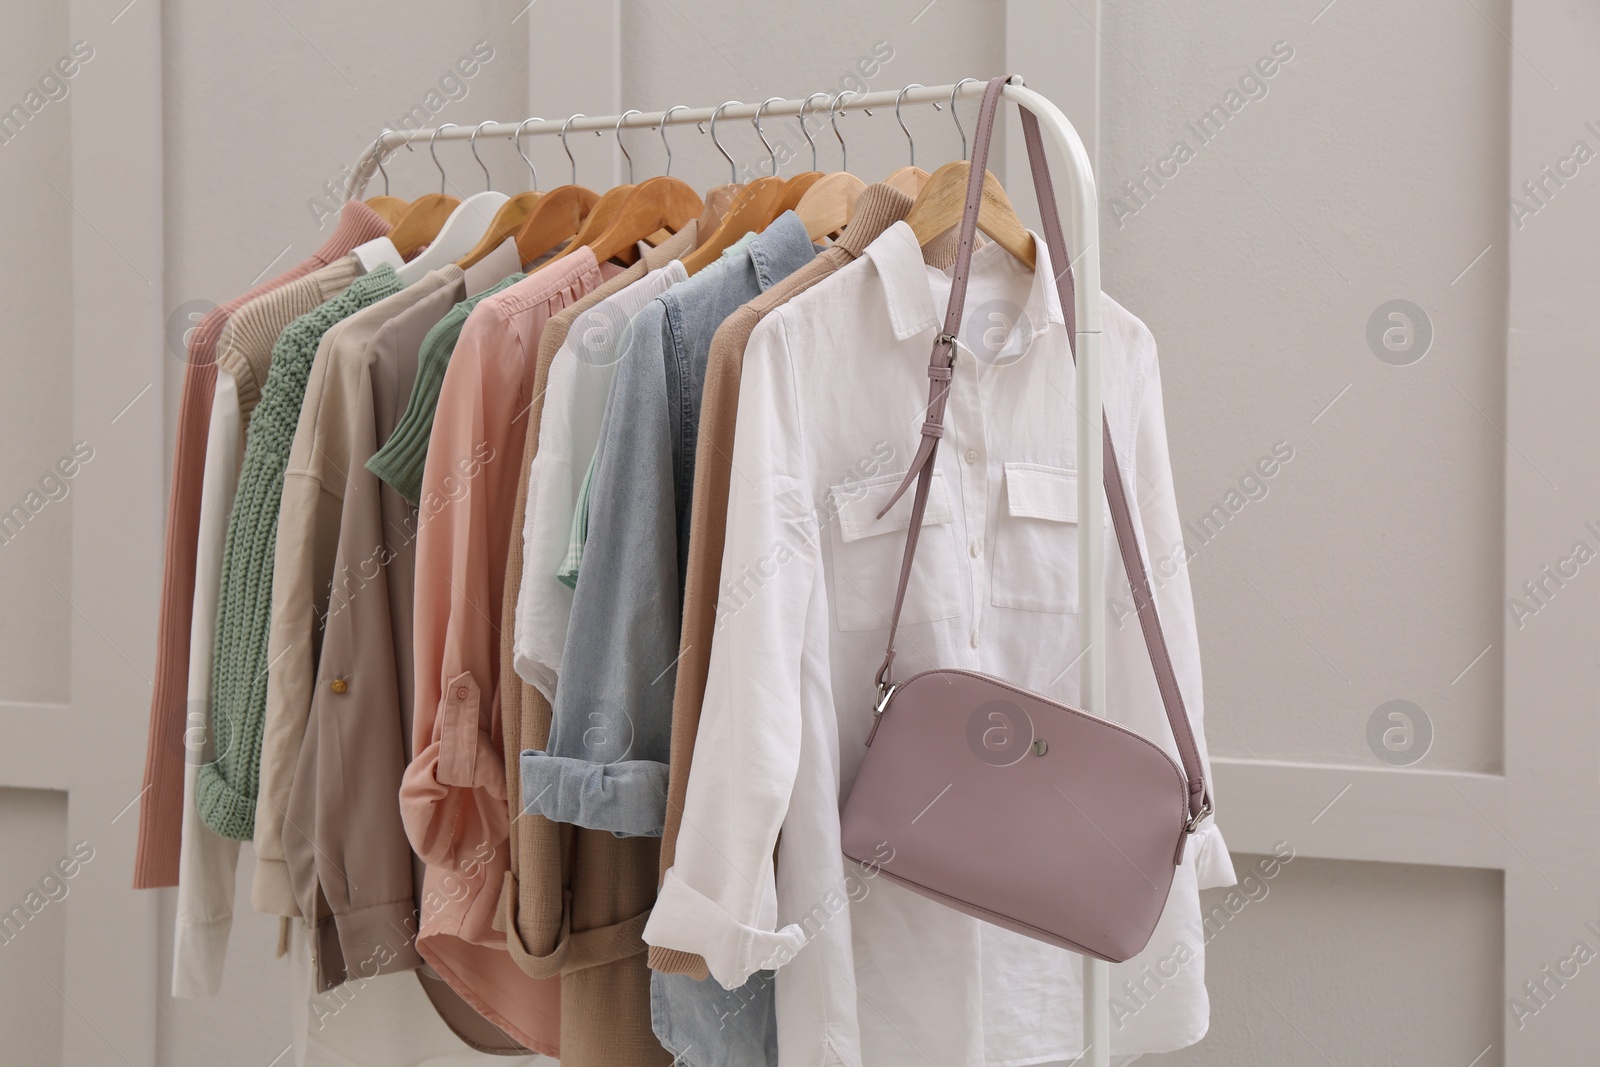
x=1036, y=542
x=867, y=554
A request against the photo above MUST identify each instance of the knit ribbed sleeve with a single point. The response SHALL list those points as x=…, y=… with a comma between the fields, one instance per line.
x=228, y=786
x=245, y=347
x=401, y=459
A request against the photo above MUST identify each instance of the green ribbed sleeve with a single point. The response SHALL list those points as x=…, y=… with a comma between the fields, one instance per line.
x=401, y=459
x=228, y=785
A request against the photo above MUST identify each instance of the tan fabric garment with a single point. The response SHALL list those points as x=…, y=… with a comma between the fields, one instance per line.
x=880, y=207
x=308, y=529
x=575, y=901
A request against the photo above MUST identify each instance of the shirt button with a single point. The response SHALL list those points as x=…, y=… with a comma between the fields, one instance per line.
x=339, y=685
x=461, y=692
x=974, y=639
x=972, y=455
x=977, y=549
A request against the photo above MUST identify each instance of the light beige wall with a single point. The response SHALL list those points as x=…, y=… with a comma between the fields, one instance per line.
x=36, y=354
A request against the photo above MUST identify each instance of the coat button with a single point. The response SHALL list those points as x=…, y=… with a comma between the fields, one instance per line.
x=461, y=692
x=339, y=685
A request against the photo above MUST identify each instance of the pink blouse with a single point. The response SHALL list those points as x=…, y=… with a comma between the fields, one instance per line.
x=453, y=796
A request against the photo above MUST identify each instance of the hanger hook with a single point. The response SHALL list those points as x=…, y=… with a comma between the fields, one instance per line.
x=567, y=148
x=756, y=120
x=377, y=150
x=910, y=141
x=433, y=151
x=517, y=138
x=625, y=155
x=806, y=133
x=733, y=168
x=833, y=117
x=472, y=143
x=954, y=114
x=665, y=117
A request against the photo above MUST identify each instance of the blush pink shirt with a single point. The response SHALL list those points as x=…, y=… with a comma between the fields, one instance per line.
x=453, y=796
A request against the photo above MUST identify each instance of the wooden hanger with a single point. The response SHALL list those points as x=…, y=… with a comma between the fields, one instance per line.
x=425, y=217
x=554, y=220
x=557, y=217
x=513, y=214
x=829, y=205
x=656, y=204
x=749, y=213
x=909, y=180
x=943, y=201
x=388, y=208
x=600, y=218
x=795, y=188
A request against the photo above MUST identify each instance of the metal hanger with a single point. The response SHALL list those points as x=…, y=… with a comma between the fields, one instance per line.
x=665, y=117
x=833, y=119
x=911, y=178
x=472, y=143
x=624, y=148
x=806, y=132
x=954, y=114
x=797, y=186
x=516, y=138
x=389, y=208
x=733, y=168
x=567, y=148
x=755, y=120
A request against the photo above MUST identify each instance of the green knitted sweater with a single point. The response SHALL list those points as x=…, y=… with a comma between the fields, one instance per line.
x=228, y=785
x=401, y=459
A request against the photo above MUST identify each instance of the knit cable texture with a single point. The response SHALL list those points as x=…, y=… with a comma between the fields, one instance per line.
x=228, y=785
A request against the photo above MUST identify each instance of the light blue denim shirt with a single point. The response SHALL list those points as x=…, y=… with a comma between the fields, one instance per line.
x=605, y=766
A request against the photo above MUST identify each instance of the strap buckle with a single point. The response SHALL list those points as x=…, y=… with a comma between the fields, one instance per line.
x=885, y=694
x=1200, y=816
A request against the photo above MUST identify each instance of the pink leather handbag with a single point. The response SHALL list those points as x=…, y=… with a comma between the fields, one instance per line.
x=1001, y=803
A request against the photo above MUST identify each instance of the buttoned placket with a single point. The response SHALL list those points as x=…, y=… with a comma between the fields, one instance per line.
x=967, y=436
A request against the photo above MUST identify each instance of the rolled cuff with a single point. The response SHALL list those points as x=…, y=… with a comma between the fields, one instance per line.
x=380, y=939
x=225, y=809
x=687, y=920
x=272, y=891
x=628, y=798
x=1213, y=866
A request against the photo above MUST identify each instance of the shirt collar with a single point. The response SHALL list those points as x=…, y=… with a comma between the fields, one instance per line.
x=780, y=249
x=909, y=299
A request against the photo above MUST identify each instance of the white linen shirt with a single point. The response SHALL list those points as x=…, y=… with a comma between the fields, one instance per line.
x=831, y=404
x=574, y=407
x=207, y=861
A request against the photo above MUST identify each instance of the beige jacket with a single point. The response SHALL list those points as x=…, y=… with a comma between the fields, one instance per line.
x=308, y=526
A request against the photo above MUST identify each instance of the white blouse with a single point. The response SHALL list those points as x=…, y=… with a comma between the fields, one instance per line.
x=830, y=408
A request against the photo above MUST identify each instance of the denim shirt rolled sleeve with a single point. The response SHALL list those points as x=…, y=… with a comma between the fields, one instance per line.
x=605, y=766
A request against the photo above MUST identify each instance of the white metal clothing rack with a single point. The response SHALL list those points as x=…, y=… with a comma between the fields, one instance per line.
x=1083, y=235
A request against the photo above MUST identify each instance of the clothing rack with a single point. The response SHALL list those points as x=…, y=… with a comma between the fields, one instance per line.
x=1083, y=235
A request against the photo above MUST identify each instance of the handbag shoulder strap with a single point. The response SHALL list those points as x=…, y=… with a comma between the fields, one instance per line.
x=939, y=376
